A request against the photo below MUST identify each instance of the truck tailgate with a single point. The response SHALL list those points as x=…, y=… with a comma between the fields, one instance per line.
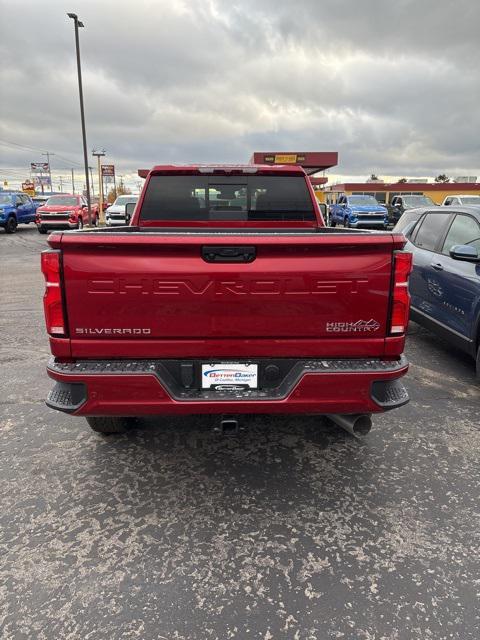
x=165, y=286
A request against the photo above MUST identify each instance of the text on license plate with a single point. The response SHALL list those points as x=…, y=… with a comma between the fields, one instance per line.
x=229, y=374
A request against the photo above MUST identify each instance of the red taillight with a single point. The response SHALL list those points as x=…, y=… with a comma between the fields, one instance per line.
x=52, y=300
x=402, y=266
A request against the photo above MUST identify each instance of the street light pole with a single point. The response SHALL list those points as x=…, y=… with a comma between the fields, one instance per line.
x=78, y=24
x=100, y=154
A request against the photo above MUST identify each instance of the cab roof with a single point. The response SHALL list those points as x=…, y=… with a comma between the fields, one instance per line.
x=223, y=169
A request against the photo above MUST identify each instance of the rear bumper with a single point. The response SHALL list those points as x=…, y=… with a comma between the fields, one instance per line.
x=150, y=387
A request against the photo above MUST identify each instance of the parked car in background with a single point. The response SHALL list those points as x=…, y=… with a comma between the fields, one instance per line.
x=15, y=208
x=400, y=204
x=41, y=198
x=358, y=211
x=64, y=211
x=115, y=214
x=445, y=281
x=461, y=200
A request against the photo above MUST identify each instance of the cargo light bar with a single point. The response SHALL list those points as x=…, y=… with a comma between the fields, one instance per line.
x=229, y=169
x=402, y=266
x=53, y=297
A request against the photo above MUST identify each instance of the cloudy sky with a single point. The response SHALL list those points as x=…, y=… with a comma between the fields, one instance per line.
x=393, y=86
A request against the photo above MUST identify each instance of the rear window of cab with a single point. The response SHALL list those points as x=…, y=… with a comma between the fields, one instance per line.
x=227, y=198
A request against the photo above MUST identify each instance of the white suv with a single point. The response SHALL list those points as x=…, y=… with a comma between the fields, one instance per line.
x=461, y=200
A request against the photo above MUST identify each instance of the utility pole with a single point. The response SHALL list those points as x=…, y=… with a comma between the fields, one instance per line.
x=73, y=183
x=78, y=24
x=48, y=154
x=100, y=154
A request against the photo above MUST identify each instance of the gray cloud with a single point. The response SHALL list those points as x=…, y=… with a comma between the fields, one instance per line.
x=394, y=87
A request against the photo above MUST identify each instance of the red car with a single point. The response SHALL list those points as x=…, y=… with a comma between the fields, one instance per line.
x=226, y=295
x=65, y=211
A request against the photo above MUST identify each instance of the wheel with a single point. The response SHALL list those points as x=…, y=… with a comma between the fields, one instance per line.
x=80, y=224
x=41, y=230
x=478, y=362
x=346, y=223
x=333, y=223
x=11, y=225
x=104, y=424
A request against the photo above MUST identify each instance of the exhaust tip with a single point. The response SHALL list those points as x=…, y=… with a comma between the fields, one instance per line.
x=362, y=426
x=358, y=425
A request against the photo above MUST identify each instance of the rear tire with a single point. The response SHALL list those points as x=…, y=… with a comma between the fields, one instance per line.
x=11, y=225
x=80, y=224
x=41, y=230
x=333, y=223
x=110, y=425
x=478, y=362
x=346, y=223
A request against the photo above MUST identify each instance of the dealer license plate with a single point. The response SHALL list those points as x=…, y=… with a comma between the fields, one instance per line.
x=229, y=375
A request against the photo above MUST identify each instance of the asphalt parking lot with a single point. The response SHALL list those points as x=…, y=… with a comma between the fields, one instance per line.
x=292, y=529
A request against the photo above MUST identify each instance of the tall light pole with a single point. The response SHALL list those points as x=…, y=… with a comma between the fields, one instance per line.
x=78, y=24
x=100, y=154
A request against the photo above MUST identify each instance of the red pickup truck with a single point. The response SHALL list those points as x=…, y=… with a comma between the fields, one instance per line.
x=65, y=211
x=226, y=295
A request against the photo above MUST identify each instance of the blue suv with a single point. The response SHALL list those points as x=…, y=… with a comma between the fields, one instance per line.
x=15, y=208
x=445, y=281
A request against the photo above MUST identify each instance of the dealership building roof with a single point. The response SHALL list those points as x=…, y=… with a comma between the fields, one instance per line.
x=458, y=187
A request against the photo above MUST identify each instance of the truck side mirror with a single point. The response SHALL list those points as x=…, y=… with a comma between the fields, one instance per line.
x=323, y=210
x=464, y=252
x=129, y=209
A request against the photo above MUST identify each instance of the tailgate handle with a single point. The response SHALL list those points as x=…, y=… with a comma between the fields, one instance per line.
x=229, y=254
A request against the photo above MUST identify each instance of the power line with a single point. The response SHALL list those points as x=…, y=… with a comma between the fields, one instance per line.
x=69, y=161
x=28, y=148
x=22, y=146
x=13, y=171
